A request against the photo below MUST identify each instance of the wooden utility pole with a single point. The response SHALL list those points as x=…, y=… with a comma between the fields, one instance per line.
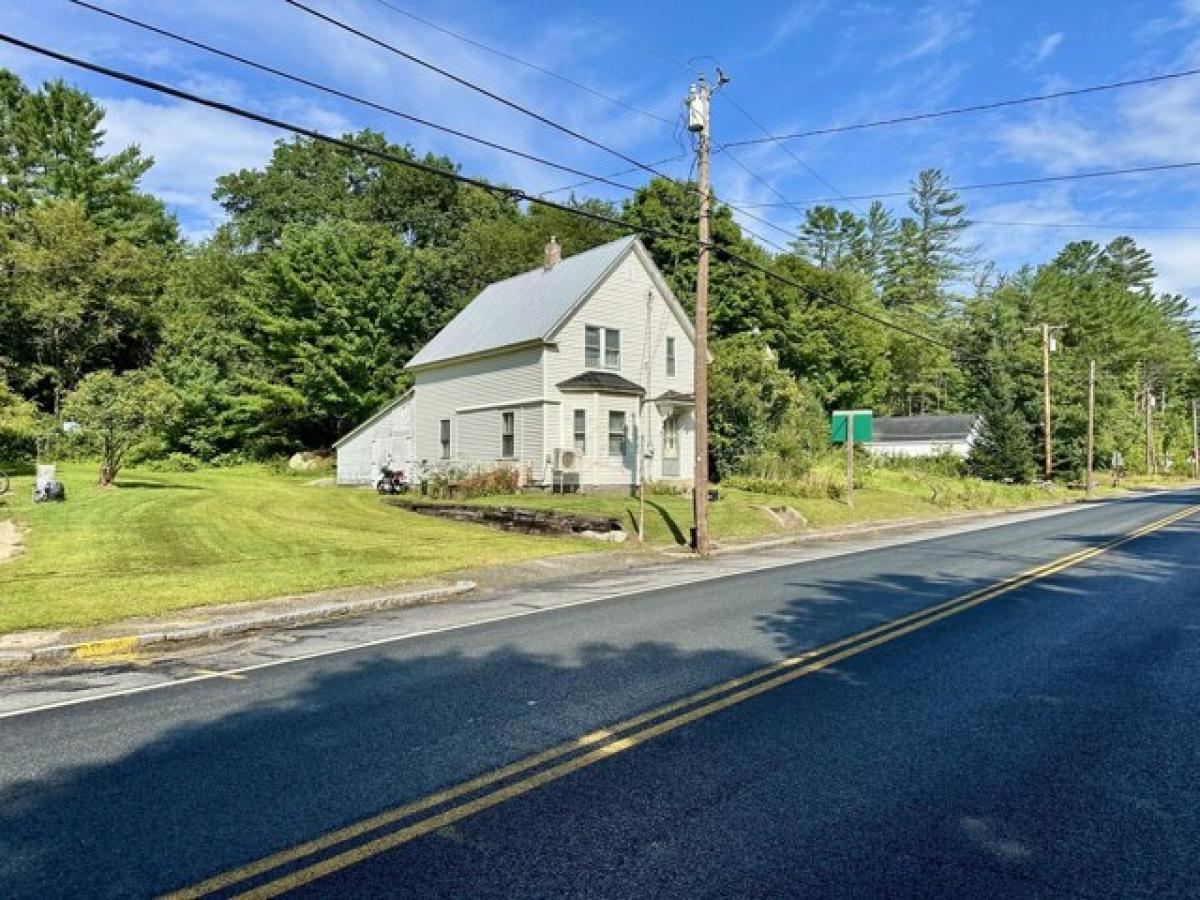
x=1047, y=331
x=1195, y=443
x=1148, y=391
x=1091, y=432
x=699, y=122
x=850, y=459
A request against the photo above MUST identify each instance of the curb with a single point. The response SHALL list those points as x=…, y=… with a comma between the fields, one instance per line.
x=126, y=644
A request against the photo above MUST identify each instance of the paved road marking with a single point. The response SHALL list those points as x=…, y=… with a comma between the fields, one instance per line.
x=428, y=632
x=608, y=742
x=213, y=673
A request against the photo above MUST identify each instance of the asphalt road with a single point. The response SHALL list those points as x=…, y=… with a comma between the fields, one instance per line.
x=1045, y=742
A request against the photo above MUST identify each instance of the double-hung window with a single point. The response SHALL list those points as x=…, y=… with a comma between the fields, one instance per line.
x=616, y=433
x=670, y=357
x=591, y=346
x=601, y=347
x=508, y=435
x=612, y=348
x=580, y=443
x=445, y=438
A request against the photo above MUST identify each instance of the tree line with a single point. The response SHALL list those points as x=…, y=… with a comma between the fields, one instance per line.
x=293, y=321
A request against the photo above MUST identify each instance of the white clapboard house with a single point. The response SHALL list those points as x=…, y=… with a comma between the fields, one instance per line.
x=577, y=374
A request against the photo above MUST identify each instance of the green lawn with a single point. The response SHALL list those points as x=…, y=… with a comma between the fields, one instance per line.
x=162, y=542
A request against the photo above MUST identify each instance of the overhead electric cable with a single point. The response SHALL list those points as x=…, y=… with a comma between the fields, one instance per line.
x=344, y=95
x=513, y=193
x=988, y=185
x=478, y=88
x=616, y=101
x=973, y=108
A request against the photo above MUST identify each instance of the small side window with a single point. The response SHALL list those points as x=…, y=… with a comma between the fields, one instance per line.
x=445, y=438
x=670, y=357
x=508, y=435
x=580, y=436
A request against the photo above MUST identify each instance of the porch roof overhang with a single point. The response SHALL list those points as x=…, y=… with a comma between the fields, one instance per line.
x=602, y=383
x=669, y=401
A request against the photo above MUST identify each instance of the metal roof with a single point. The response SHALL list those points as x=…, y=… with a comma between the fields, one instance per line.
x=525, y=308
x=604, y=382
x=924, y=428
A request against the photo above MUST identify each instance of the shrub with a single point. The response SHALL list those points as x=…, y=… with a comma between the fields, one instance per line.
x=665, y=489
x=813, y=486
x=174, y=462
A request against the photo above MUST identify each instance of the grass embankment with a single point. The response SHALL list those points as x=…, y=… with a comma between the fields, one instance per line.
x=738, y=514
x=161, y=542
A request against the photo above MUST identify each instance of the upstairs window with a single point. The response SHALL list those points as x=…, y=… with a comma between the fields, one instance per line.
x=670, y=357
x=591, y=346
x=445, y=438
x=508, y=435
x=612, y=348
x=601, y=346
x=580, y=442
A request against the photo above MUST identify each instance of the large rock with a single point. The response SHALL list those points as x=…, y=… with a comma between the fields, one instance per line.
x=308, y=462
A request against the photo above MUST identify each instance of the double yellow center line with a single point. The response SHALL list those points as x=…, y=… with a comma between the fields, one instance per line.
x=321, y=856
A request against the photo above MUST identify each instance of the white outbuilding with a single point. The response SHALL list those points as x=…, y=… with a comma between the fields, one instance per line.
x=385, y=439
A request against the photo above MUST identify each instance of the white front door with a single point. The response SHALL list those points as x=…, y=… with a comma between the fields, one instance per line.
x=670, y=456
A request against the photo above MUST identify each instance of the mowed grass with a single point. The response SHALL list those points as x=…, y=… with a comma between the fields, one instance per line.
x=163, y=542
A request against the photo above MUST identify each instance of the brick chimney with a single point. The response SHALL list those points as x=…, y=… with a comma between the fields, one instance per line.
x=553, y=254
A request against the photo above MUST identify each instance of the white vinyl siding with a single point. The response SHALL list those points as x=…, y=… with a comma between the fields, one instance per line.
x=472, y=394
x=387, y=441
x=628, y=297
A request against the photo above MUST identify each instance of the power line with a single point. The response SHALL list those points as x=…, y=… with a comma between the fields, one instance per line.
x=480, y=89
x=1105, y=226
x=523, y=62
x=524, y=110
x=988, y=185
x=579, y=184
x=512, y=193
x=973, y=108
x=795, y=156
x=344, y=95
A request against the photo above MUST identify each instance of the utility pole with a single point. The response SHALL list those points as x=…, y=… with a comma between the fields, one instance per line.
x=850, y=459
x=1048, y=345
x=1148, y=392
x=1195, y=443
x=699, y=104
x=1091, y=432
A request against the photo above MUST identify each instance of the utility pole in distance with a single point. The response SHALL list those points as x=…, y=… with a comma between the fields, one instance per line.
x=1148, y=400
x=699, y=104
x=1048, y=345
x=1195, y=443
x=1091, y=432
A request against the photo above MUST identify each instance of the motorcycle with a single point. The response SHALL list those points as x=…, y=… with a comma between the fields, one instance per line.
x=392, y=481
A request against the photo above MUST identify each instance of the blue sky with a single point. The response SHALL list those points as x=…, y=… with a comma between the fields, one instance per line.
x=794, y=66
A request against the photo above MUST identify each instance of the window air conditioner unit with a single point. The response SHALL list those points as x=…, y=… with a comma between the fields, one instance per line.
x=566, y=460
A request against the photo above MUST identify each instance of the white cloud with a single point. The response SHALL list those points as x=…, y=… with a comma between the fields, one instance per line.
x=1038, y=51
x=795, y=19
x=933, y=29
x=191, y=147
